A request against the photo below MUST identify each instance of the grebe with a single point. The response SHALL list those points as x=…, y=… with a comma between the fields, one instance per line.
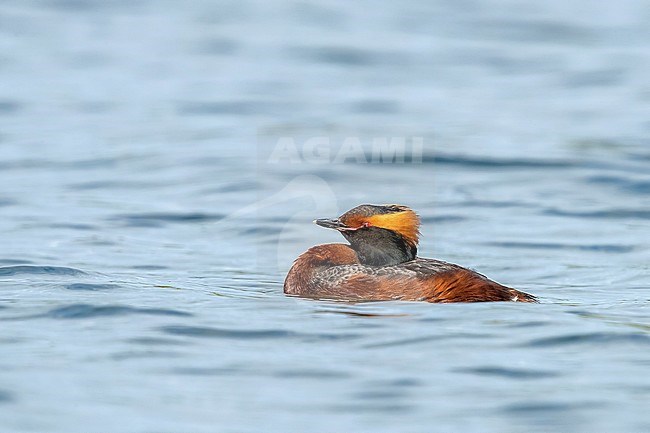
x=381, y=264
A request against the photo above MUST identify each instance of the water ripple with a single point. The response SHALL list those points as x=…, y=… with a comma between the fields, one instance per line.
x=196, y=331
x=253, y=334
x=91, y=287
x=346, y=56
x=113, y=185
x=380, y=395
x=156, y=341
x=597, y=78
x=536, y=31
x=311, y=374
x=605, y=213
x=6, y=271
x=85, y=311
x=536, y=407
x=299, y=373
x=218, y=47
x=401, y=382
x=376, y=106
x=631, y=186
x=606, y=248
x=590, y=338
x=156, y=219
x=234, y=108
x=14, y=262
x=71, y=226
x=210, y=371
x=5, y=397
x=7, y=202
x=482, y=162
x=441, y=219
x=76, y=6
x=85, y=164
x=235, y=187
x=404, y=342
x=9, y=106
x=508, y=373
x=373, y=408
x=145, y=354
x=416, y=340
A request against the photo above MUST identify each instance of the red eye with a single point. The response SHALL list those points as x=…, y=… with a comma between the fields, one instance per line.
x=365, y=224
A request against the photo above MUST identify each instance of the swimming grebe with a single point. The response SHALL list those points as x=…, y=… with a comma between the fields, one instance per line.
x=381, y=264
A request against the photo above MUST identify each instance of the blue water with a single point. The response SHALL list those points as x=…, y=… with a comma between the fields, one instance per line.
x=147, y=221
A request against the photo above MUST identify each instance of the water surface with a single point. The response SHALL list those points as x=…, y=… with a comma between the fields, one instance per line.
x=146, y=229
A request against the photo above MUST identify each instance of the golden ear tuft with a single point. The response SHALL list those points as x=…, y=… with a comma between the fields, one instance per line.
x=404, y=221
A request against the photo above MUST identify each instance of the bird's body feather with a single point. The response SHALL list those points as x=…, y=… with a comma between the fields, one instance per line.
x=381, y=264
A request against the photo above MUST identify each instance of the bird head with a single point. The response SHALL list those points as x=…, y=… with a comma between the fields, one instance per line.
x=380, y=234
